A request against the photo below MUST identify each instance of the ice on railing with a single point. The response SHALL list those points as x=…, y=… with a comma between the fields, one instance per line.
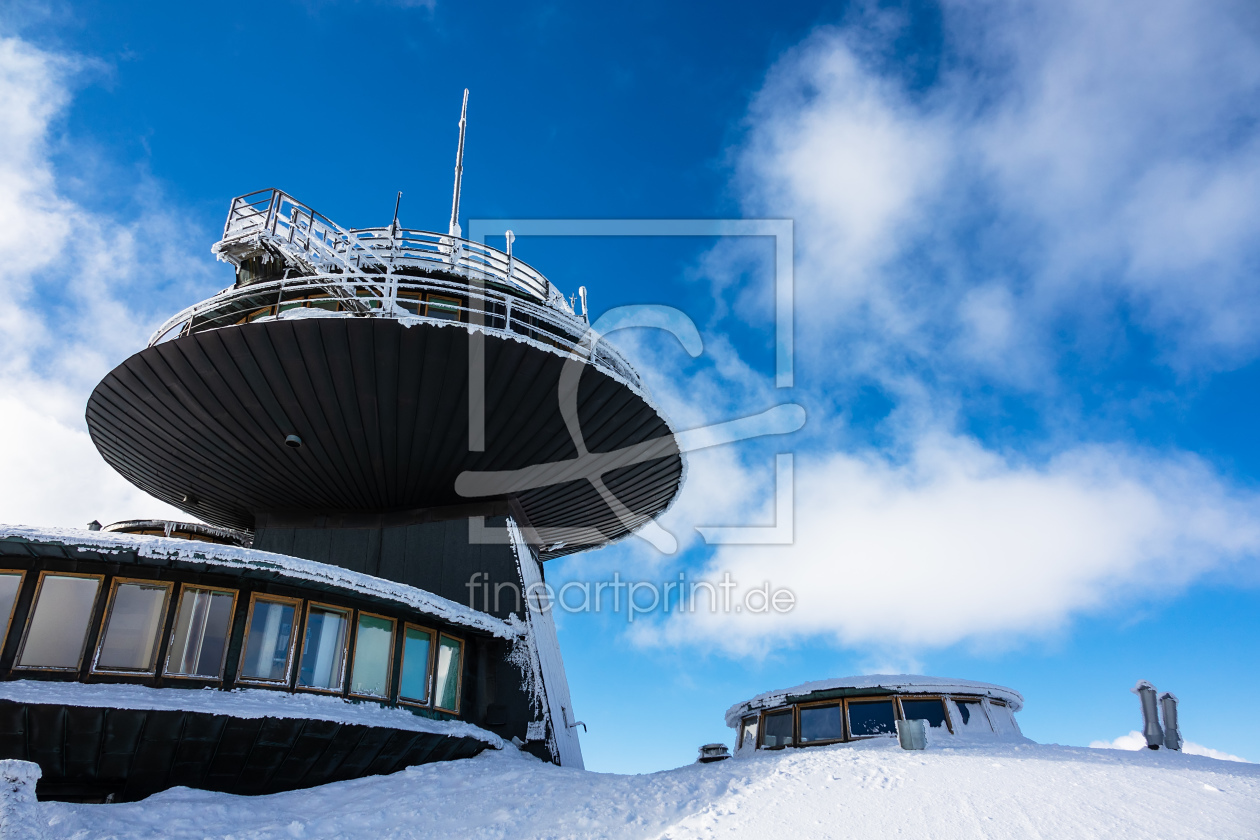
x=303, y=235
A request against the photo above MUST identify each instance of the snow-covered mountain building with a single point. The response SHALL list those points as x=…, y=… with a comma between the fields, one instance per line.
x=388, y=431
x=859, y=708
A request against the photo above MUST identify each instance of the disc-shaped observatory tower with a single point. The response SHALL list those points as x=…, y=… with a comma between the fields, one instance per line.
x=387, y=431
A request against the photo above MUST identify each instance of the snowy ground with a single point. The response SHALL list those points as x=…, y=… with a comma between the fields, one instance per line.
x=867, y=790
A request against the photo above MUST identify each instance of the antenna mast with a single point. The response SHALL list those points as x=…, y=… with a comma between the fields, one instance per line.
x=459, y=169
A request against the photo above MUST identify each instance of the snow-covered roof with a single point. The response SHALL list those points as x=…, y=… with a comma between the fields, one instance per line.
x=248, y=703
x=188, y=552
x=900, y=683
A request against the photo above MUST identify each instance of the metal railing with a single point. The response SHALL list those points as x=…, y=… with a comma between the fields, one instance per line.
x=400, y=298
x=277, y=219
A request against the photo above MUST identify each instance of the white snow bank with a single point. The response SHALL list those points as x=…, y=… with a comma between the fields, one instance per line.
x=246, y=703
x=913, y=683
x=873, y=789
x=234, y=557
x=1137, y=741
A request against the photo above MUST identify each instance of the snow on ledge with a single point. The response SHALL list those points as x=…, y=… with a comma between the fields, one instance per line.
x=247, y=703
x=908, y=683
x=235, y=557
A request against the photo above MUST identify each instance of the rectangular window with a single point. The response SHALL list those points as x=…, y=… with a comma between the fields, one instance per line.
x=417, y=653
x=440, y=306
x=10, y=586
x=933, y=710
x=871, y=717
x=131, y=627
x=269, y=640
x=56, y=632
x=748, y=732
x=973, y=718
x=199, y=640
x=821, y=723
x=450, y=667
x=373, y=656
x=410, y=301
x=323, y=664
x=776, y=729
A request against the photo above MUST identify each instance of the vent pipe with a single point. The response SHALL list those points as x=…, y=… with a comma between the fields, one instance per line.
x=1150, y=714
x=1172, y=732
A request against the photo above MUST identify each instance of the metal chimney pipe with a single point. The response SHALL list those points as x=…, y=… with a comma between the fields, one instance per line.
x=1172, y=732
x=1150, y=714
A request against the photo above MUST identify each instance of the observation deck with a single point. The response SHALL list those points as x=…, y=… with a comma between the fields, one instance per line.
x=353, y=346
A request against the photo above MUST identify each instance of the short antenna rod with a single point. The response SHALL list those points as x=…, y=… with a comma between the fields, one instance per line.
x=459, y=169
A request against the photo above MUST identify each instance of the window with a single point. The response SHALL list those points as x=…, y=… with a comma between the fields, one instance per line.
x=269, y=640
x=57, y=630
x=821, y=723
x=871, y=717
x=933, y=711
x=971, y=713
x=323, y=664
x=199, y=640
x=440, y=306
x=776, y=729
x=450, y=667
x=373, y=655
x=410, y=301
x=417, y=652
x=748, y=732
x=10, y=586
x=133, y=622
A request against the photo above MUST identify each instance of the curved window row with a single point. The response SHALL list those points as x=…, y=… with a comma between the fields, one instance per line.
x=287, y=643
x=854, y=718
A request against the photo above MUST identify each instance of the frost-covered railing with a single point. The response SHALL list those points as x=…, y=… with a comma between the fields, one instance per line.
x=282, y=221
x=401, y=298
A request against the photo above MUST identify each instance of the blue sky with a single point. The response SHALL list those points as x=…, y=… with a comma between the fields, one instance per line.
x=1026, y=256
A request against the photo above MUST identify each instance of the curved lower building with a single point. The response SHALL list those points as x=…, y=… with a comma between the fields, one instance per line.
x=385, y=432
x=861, y=708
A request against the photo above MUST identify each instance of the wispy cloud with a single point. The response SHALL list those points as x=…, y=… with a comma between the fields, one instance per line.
x=78, y=293
x=1070, y=174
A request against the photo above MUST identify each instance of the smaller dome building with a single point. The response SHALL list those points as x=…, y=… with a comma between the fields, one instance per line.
x=864, y=707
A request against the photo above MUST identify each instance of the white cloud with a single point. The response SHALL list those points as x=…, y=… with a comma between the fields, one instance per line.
x=1136, y=741
x=1074, y=165
x=64, y=316
x=1076, y=162
x=957, y=544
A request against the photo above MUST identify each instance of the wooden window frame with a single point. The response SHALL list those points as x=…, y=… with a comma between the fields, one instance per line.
x=414, y=296
x=844, y=723
x=255, y=597
x=429, y=675
x=345, y=649
x=941, y=698
x=458, y=303
x=459, y=680
x=26, y=631
x=739, y=740
x=889, y=698
x=6, y=622
x=979, y=700
x=761, y=727
x=183, y=588
x=169, y=586
x=389, y=669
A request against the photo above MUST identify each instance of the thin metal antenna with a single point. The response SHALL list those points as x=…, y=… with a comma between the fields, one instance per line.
x=397, y=202
x=459, y=169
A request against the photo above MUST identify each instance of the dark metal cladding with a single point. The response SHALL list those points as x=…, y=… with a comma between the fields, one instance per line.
x=88, y=754
x=381, y=410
